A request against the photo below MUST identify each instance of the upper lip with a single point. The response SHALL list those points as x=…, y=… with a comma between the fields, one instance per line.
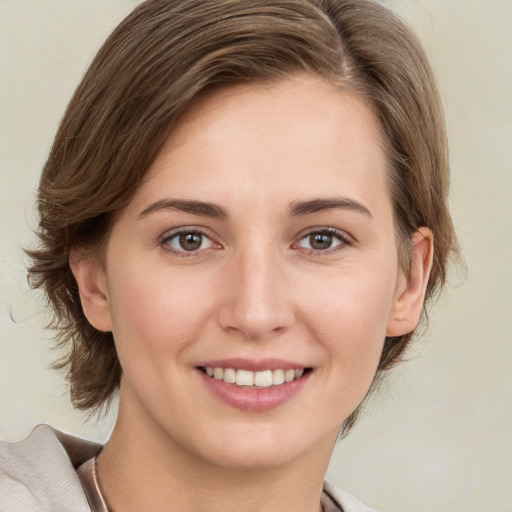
x=254, y=365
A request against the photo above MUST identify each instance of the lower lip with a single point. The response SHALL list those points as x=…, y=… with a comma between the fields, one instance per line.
x=254, y=399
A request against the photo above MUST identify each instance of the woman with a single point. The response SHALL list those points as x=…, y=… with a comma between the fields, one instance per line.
x=242, y=217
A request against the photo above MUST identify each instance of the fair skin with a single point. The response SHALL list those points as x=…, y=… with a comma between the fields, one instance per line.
x=261, y=239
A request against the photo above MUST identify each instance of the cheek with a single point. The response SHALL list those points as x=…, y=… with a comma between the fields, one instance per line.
x=153, y=314
x=357, y=300
x=349, y=320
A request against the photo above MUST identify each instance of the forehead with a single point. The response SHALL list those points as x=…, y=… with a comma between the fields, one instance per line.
x=300, y=136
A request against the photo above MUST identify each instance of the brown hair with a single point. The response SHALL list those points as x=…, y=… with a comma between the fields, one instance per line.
x=155, y=63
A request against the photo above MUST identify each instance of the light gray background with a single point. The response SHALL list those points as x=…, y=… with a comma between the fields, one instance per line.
x=438, y=438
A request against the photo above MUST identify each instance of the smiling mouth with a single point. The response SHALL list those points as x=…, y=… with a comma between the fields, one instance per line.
x=255, y=380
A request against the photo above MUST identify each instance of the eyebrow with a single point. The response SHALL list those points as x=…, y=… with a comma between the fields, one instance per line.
x=201, y=208
x=298, y=208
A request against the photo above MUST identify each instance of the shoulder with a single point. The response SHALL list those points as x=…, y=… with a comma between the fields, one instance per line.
x=38, y=473
x=342, y=501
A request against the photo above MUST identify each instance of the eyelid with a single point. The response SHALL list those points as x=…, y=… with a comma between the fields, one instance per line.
x=342, y=236
x=170, y=234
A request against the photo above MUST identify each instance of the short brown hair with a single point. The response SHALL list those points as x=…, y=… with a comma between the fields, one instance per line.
x=155, y=63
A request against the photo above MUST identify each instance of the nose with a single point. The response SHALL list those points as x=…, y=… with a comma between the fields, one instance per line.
x=257, y=301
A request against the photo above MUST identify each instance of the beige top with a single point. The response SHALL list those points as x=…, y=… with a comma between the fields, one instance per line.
x=53, y=471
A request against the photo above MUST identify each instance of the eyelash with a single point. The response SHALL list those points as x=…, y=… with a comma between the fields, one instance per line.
x=341, y=237
x=183, y=253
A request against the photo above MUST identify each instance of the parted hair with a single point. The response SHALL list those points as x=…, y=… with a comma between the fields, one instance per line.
x=161, y=57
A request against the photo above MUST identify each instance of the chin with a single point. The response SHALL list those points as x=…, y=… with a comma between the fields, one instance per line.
x=255, y=459
x=264, y=449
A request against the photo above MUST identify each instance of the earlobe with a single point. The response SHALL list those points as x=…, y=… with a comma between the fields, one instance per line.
x=92, y=287
x=408, y=304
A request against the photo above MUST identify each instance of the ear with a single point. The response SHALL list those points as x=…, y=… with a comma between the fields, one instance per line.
x=92, y=286
x=410, y=293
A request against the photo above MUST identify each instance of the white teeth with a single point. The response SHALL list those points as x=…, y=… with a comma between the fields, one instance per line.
x=261, y=379
x=277, y=377
x=244, y=378
x=289, y=375
x=229, y=376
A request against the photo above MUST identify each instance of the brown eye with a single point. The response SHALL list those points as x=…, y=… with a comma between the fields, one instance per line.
x=187, y=242
x=323, y=240
x=190, y=241
x=320, y=241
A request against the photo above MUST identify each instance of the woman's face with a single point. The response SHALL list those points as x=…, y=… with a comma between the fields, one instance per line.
x=261, y=242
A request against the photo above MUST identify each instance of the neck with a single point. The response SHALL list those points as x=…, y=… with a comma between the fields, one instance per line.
x=141, y=469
